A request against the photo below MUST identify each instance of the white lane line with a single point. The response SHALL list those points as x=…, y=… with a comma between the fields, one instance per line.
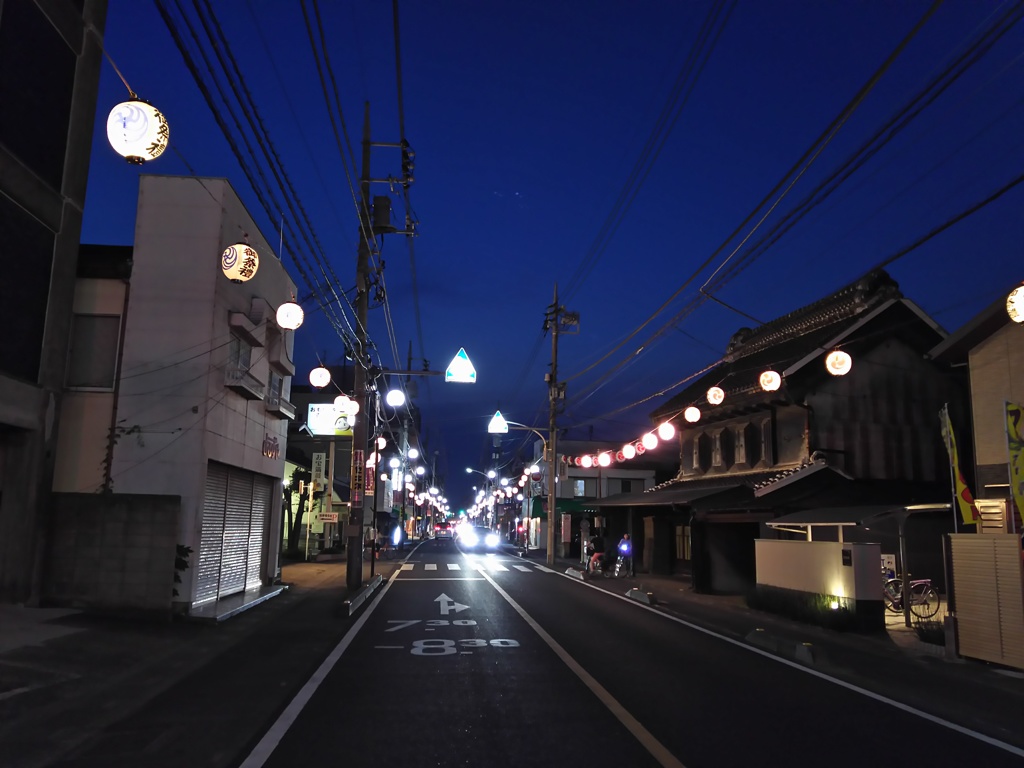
x=454, y=567
x=440, y=578
x=547, y=570
x=522, y=568
x=1013, y=750
x=658, y=750
x=430, y=566
x=258, y=757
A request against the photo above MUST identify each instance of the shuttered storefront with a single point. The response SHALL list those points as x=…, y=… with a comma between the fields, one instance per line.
x=235, y=513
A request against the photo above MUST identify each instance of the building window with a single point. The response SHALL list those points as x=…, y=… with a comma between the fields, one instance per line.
x=716, y=449
x=585, y=488
x=240, y=354
x=625, y=486
x=274, y=385
x=767, y=454
x=741, y=446
x=92, y=362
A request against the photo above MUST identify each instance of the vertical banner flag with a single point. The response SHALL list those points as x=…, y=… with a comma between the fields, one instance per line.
x=1015, y=446
x=964, y=500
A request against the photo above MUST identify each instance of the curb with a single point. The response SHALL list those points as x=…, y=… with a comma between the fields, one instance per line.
x=807, y=654
x=647, y=598
x=353, y=604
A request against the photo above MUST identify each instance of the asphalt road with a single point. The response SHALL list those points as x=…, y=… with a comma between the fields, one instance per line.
x=489, y=660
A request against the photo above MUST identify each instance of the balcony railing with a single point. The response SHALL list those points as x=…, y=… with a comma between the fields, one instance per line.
x=280, y=407
x=244, y=383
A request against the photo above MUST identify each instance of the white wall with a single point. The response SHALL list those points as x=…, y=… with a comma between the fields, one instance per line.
x=817, y=567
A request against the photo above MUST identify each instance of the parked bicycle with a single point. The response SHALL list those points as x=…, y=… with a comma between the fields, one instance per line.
x=924, y=598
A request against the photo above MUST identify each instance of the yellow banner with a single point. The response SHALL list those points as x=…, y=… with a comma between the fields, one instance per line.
x=964, y=500
x=1015, y=445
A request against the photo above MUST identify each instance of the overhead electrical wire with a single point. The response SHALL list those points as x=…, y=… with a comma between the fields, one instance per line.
x=774, y=196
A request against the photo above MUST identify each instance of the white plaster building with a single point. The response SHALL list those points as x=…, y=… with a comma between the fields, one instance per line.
x=199, y=405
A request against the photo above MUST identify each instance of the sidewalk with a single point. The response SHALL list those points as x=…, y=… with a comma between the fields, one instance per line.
x=66, y=676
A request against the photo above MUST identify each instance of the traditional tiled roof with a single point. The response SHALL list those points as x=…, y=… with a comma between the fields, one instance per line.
x=786, y=344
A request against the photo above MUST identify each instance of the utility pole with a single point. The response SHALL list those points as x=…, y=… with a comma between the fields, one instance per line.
x=354, y=558
x=557, y=320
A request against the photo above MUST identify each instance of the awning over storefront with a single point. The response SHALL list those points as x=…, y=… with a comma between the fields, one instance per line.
x=800, y=522
x=664, y=497
x=562, y=506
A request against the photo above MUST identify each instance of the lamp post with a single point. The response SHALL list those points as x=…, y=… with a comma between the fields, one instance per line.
x=500, y=425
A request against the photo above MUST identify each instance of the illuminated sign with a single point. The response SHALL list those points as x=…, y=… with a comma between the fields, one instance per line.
x=327, y=419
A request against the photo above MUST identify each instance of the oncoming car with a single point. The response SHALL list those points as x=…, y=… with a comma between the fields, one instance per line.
x=478, y=538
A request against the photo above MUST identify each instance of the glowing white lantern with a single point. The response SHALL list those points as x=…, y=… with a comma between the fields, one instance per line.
x=414, y=453
x=239, y=262
x=586, y=462
x=381, y=443
x=838, y=363
x=1015, y=304
x=395, y=398
x=604, y=459
x=628, y=451
x=320, y=377
x=770, y=381
x=716, y=395
x=290, y=316
x=649, y=441
x=137, y=131
x=692, y=414
x=666, y=431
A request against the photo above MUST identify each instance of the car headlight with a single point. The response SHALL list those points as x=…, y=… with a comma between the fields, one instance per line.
x=470, y=539
x=491, y=540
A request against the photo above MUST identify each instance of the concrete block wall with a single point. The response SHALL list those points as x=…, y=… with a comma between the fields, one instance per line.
x=112, y=553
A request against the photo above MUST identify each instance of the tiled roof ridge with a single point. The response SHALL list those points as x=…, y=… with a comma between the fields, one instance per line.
x=870, y=289
x=815, y=458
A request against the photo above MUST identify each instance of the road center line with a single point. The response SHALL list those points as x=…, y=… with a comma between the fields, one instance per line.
x=658, y=750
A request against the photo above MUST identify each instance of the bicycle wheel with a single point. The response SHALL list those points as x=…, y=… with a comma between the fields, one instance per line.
x=924, y=602
x=891, y=595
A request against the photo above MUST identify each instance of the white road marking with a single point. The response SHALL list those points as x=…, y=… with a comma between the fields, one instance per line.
x=498, y=567
x=522, y=568
x=430, y=566
x=454, y=567
x=1013, y=750
x=258, y=757
x=546, y=570
x=658, y=750
x=407, y=566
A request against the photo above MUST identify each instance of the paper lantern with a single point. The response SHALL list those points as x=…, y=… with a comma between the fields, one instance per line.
x=239, y=262
x=770, y=381
x=604, y=459
x=628, y=451
x=1015, y=304
x=137, y=131
x=716, y=395
x=838, y=363
x=320, y=377
x=692, y=414
x=666, y=431
x=290, y=316
x=649, y=441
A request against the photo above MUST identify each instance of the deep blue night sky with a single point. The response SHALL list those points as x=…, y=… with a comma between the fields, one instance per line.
x=609, y=147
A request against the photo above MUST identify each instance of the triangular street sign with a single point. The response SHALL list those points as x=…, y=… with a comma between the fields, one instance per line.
x=460, y=369
x=498, y=425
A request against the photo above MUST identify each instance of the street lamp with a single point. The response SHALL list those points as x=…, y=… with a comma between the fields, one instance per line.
x=500, y=425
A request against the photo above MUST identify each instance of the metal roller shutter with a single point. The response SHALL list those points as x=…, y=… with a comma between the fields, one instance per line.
x=235, y=554
x=263, y=486
x=212, y=535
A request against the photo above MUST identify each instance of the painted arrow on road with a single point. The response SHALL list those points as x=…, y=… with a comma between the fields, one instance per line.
x=448, y=605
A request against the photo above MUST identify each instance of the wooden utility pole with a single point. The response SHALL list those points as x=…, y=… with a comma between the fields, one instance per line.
x=354, y=532
x=557, y=320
